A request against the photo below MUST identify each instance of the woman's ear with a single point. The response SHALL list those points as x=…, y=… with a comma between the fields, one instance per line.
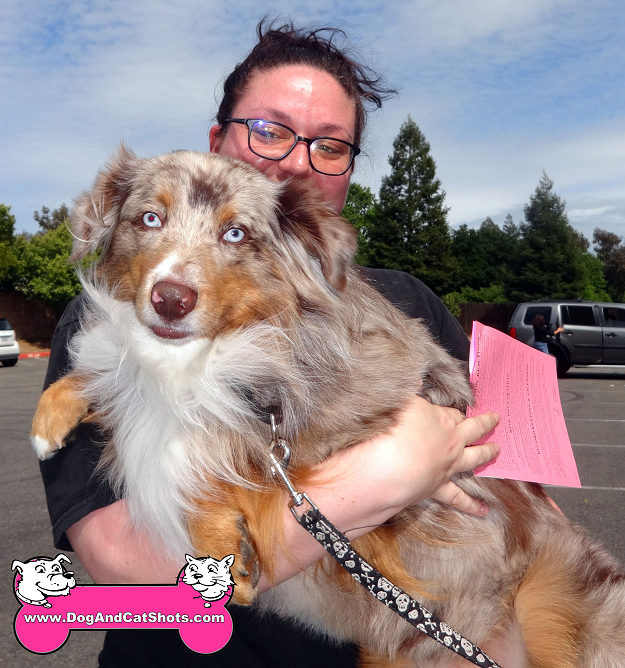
x=96, y=212
x=324, y=234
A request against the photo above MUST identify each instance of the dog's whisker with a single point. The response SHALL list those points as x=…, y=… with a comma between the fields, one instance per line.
x=85, y=241
x=121, y=361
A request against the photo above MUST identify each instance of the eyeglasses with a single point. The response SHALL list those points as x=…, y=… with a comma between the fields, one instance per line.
x=274, y=141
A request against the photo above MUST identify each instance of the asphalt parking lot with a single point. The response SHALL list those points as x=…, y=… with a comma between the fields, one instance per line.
x=594, y=408
x=593, y=401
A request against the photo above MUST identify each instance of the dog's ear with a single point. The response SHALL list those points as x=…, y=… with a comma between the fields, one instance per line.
x=323, y=233
x=19, y=565
x=96, y=212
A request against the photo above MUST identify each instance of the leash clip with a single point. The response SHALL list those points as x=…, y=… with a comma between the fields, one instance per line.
x=279, y=466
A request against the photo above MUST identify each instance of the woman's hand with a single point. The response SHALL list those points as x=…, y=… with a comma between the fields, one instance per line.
x=430, y=442
x=415, y=460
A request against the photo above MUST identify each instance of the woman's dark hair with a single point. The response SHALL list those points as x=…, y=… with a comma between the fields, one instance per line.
x=287, y=45
x=539, y=320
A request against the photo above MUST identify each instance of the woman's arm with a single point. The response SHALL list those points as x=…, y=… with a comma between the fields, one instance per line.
x=366, y=485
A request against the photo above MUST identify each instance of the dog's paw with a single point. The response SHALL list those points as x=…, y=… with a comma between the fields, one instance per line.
x=248, y=553
x=60, y=409
x=43, y=448
x=245, y=571
x=219, y=529
x=49, y=431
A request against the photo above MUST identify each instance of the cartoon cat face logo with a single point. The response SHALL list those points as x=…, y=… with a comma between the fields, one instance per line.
x=41, y=578
x=209, y=576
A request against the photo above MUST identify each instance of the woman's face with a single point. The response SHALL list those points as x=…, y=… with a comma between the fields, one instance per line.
x=309, y=101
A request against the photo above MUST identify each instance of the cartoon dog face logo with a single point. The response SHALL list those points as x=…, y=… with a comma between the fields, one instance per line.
x=41, y=578
x=209, y=576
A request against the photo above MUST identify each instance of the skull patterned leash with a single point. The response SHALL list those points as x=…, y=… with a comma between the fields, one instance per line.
x=338, y=545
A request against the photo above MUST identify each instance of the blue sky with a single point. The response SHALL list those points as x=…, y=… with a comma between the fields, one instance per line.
x=502, y=89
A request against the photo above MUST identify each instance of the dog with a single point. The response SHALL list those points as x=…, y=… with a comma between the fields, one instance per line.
x=41, y=578
x=219, y=297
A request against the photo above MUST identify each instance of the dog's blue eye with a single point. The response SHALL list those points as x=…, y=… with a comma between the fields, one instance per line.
x=234, y=235
x=151, y=219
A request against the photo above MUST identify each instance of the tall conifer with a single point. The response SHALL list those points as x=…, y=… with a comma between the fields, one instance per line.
x=550, y=261
x=410, y=231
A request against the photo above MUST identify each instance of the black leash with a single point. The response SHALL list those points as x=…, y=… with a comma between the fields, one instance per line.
x=338, y=545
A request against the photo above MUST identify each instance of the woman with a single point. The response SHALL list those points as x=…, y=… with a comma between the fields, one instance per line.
x=308, y=89
x=542, y=329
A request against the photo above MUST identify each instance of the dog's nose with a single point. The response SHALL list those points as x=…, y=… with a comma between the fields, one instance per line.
x=68, y=574
x=173, y=301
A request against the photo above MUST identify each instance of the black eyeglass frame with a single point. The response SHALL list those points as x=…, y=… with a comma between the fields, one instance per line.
x=250, y=122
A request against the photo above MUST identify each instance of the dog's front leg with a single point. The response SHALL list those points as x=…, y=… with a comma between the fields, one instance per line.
x=219, y=529
x=61, y=407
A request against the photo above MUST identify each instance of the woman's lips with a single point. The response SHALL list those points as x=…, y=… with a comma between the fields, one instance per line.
x=169, y=333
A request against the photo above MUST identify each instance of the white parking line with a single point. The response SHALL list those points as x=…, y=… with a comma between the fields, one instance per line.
x=590, y=420
x=595, y=403
x=596, y=445
x=589, y=390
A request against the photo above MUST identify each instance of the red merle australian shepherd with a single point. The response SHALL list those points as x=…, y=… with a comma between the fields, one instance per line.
x=216, y=292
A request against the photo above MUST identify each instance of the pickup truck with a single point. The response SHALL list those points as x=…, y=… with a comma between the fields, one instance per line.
x=594, y=332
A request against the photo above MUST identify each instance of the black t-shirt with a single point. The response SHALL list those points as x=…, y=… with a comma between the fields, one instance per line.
x=73, y=490
x=541, y=332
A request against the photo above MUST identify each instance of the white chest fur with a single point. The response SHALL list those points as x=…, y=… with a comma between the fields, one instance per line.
x=169, y=409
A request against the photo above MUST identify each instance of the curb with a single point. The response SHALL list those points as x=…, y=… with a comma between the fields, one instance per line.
x=29, y=355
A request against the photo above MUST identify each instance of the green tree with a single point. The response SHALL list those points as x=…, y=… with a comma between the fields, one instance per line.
x=8, y=261
x=484, y=255
x=7, y=224
x=43, y=269
x=511, y=228
x=595, y=284
x=409, y=230
x=611, y=253
x=50, y=221
x=9, y=266
x=360, y=210
x=550, y=257
x=493, y=294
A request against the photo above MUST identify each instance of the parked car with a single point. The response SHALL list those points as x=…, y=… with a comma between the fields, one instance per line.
x=9, y=347
x=594, y=332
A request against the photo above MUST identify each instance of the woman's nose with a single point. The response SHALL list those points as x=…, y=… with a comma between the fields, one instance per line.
x=296, y=162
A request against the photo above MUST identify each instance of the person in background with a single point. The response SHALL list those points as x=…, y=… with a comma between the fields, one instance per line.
x=542, y=330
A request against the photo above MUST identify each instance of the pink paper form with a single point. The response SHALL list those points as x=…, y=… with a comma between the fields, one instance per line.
x=520, y=383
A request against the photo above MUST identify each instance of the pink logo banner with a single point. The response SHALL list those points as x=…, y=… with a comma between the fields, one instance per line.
x=53, y=605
